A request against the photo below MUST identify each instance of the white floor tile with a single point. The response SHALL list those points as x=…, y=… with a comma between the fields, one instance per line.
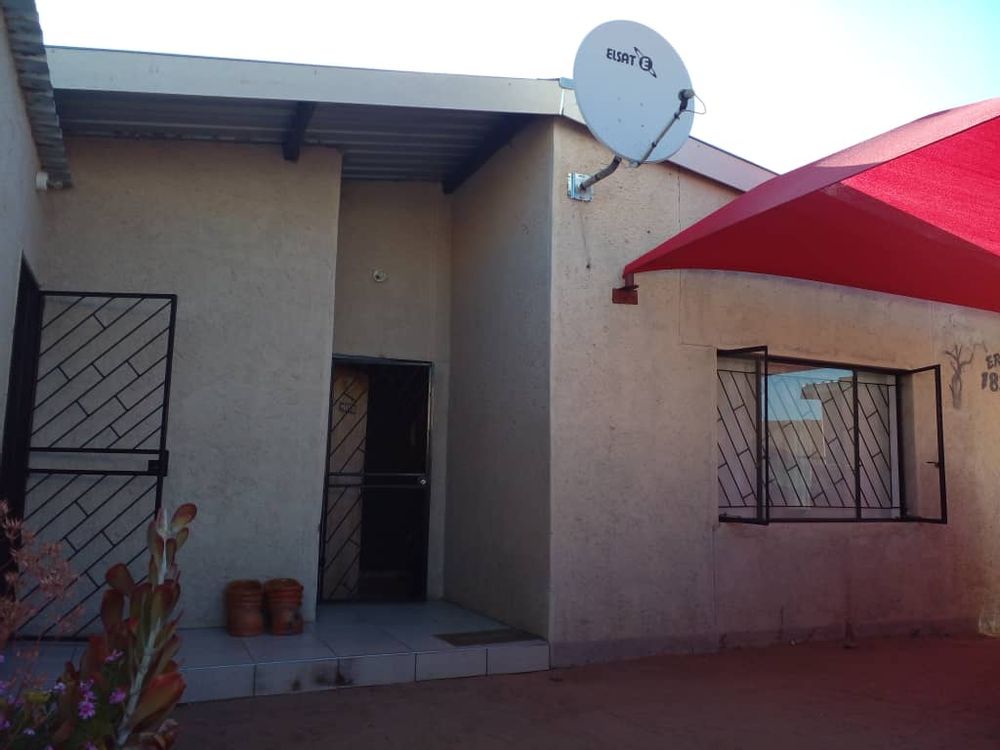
x=276, y=678
x=418, y=639
x=270, y=648
x=212, y=647
x=218, y=683
x=345, y=614
x=437, y=665
x=512, y=658
x=357, y=641
x=377, y=670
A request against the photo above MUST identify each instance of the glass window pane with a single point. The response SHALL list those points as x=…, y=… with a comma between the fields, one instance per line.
x=810, y=425
x=795, y=428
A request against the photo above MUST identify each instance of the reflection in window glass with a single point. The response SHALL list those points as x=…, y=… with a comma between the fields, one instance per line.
x=816, y=466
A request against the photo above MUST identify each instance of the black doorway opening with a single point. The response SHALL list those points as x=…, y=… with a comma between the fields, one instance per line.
x=373, y=543
x=20, y=395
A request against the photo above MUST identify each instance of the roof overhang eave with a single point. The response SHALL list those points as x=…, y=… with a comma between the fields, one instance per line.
x=76, y=69
x=80, y=69
x=24, y=35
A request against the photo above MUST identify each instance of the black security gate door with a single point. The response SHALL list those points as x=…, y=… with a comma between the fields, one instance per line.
x=373, y=543
x=97, y=453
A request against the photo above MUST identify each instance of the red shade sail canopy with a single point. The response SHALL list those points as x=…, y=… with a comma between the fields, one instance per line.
x=915, y=211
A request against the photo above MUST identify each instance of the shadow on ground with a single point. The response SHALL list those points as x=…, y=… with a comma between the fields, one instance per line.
x=915, y=693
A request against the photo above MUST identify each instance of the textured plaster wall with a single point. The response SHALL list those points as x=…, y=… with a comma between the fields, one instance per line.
x=404, y=230
x=640, y=562
x=20, y=209
x=631, y=549
x=248, y=242
x=497, y=538
x=801, y=581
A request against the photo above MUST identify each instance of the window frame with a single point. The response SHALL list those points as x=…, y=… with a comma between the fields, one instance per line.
x=762, y=358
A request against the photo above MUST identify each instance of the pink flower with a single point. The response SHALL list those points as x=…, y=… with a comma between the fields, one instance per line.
x=4, y=724
x=88, y=693
x=29, y=731
x=113, y=657
x=117, y=696
x=86, y=709
x=59, y=688
x=90, y=746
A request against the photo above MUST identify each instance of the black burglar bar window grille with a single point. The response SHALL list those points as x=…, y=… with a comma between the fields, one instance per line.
x=809, y=441
x=98, y=441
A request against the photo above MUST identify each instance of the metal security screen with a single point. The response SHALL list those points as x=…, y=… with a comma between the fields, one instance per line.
x=809, y=441
x=373, y=542
x=97, y=449
x=340, y=570
x=742, y=456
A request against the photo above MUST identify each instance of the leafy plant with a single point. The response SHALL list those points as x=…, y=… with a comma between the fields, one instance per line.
x=127, y=682
x=35, y=576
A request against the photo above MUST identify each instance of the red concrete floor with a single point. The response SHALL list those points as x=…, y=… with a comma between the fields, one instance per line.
x=895, y=693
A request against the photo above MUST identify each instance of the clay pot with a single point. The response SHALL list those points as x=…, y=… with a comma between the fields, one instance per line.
x=284, y=604
x=244, y=608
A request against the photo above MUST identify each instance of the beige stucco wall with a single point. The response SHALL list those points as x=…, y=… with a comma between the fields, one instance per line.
x=804, y=581
x=497, y=537
x=20, y=212
x=640, y=562
x=248, y=243
x=631, y=555
x=579, y=436
x=404, y=230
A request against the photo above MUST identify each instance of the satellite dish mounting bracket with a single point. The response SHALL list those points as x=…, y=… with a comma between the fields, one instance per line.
x=579, y=185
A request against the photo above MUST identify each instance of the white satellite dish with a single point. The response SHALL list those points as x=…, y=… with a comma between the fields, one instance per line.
x=634, y=93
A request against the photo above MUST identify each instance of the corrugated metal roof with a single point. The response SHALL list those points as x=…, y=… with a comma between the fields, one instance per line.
x=156, y=73
x=24, y=35
x=390, y=124
x=378, y=142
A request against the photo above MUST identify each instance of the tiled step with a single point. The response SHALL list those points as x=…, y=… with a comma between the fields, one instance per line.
x=302, y=675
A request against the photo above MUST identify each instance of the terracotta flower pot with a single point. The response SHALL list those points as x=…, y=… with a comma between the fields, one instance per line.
x=244, y=608
x=284, y=604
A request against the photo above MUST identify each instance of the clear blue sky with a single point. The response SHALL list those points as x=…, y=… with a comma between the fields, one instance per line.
x=785, y=82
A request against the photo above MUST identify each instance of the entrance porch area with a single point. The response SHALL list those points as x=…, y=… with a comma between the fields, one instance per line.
x=349, y=645
x=357, y=644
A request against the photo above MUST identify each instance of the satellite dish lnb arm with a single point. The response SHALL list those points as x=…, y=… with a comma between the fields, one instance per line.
x=685, y=95
x=598, y=176
x=578, y=187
